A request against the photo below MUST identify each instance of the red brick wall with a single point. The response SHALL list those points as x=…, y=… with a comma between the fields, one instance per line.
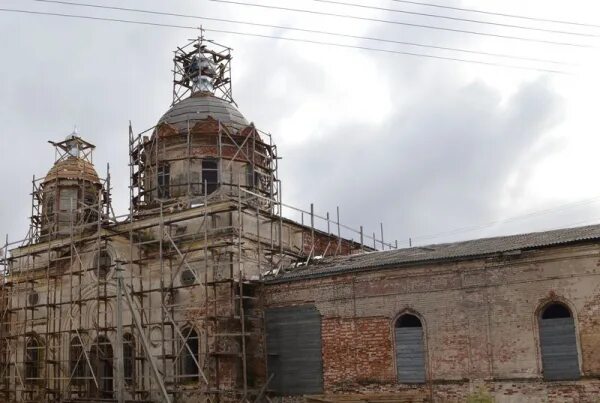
x=480, y=322
x=356, y=351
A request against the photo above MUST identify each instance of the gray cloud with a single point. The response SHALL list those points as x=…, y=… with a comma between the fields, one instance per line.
x=441, y=160
x=440, y=164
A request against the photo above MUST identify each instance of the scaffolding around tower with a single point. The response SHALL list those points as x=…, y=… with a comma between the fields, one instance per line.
x=165, y=303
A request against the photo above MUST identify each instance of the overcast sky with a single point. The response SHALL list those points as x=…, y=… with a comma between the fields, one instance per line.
x=436, y=150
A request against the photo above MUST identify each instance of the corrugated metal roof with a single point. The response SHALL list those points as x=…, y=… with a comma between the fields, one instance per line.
x=200, y=107
x=430, y=253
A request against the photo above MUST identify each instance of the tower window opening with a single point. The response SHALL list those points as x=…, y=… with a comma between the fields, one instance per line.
x=163, y=180
x=558, y=343
x=189, y=355
x=68, y=199
x=410, y=349
x=252, y=177
x=49, y=205
x=210, y=175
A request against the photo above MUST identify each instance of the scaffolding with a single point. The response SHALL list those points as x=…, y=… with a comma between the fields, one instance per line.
x=163, y=304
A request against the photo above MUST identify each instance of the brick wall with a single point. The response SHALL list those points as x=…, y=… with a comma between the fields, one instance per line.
x=480, y=319
x=357, y=351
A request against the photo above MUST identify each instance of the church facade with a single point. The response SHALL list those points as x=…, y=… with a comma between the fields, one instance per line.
x=206, y=292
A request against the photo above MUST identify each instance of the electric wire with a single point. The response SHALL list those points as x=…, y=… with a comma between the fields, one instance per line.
x=498, y=24
x=476, y=227
x=434, y=27
x=313, y=31
x=333, y=44
x=523, y=17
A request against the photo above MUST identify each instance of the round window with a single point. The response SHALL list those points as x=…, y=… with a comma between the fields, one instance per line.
x=188, y=277
x=33, y=298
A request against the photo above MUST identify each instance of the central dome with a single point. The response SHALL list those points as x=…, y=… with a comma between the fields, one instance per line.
x=201, y=106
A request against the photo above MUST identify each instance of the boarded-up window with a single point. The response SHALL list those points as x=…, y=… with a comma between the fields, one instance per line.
x=294, y=350
x=68, y=199
x=560, y=359
x=210, y=175
x=410, y=351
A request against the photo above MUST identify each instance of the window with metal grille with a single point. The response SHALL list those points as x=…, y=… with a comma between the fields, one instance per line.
x=33, y=356
x=128, y=358
x=410, y=351
x=77, y=362
x=163, y=180
x=210, y=175
x=558, y=343
x=189, y=355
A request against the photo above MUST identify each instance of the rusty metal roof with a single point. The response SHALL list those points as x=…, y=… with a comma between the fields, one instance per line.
x=440, y=252
x=72, y=168
x=199, y=107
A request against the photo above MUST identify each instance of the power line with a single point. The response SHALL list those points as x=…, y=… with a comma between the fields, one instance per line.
x=523, y=17
x=154, y=12
x=498, y=24
x=476, y=227
x=464, y=31
x=287, y=39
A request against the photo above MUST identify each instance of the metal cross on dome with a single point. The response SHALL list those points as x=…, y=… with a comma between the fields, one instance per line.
x=202, y=65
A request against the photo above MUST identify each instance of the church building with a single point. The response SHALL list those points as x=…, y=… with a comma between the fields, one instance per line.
x=206, y=292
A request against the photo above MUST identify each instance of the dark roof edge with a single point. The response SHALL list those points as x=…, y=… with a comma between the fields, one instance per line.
x=389, y=266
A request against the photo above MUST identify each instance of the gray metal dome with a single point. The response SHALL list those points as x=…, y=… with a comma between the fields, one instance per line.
x=201, y=106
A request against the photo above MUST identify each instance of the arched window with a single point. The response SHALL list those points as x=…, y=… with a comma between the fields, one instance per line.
x=129, y=358
x=558, y=343
x=410, y=351
x=102, y=264
x=77, y=362
x=189, y=355
x=33, y=359
x=101, y=359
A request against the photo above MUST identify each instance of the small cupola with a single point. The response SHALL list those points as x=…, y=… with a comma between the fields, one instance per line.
x=71, y=194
